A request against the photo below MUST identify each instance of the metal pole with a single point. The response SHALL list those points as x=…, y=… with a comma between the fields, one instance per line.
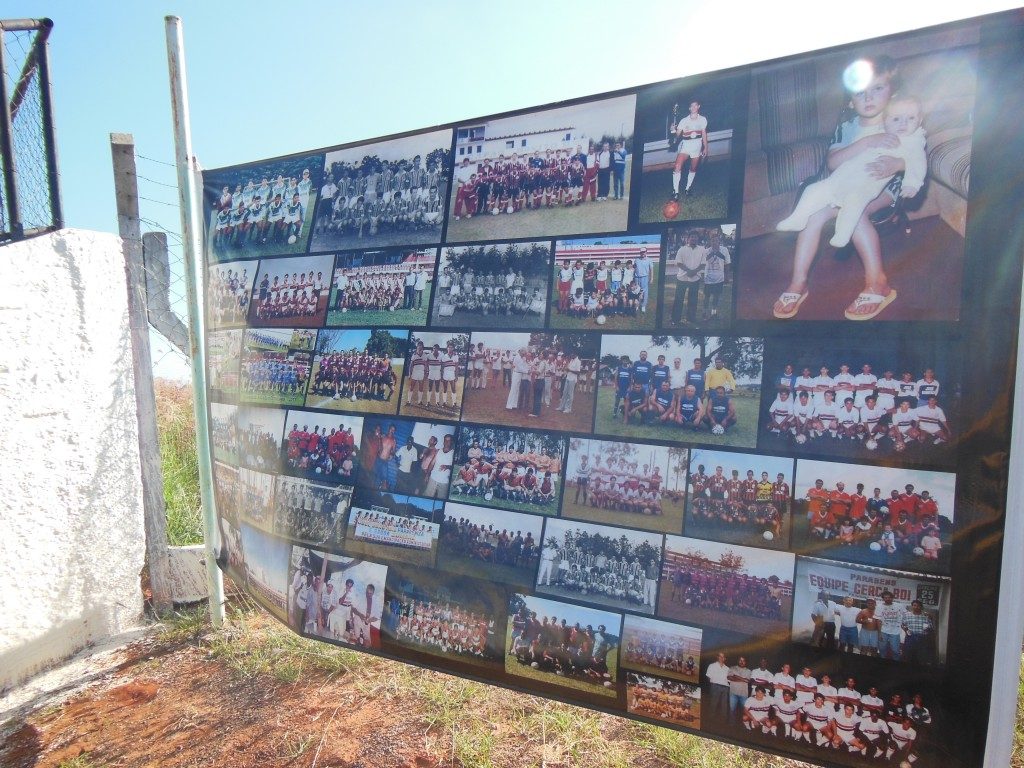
x=126, y=190
x=188, y=199
x=49, y=126
x=14, y=223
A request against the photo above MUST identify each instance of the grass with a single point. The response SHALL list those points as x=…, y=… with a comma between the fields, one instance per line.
x=722, y=320
x=642, y=321
x=179, y=462
x=670, y=521
x=498, y=503
x=374, y=318
x=742, y=434
x=360, y=405
x=82, y=761
x=333, y=241
x=710, y=198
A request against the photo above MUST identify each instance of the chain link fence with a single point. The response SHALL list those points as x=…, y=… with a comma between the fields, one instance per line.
x=29, y=195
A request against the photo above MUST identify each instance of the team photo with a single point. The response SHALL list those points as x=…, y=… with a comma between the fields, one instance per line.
x=336, y=597
x=745, y=590
x=227, y=297
x=508, y=469
x=265, y=209
x=545, y=379
x=275, y=366
x=410, y=457
x=882, y=398
x=887, y=614
x=739, y=498
x=858, y=209
x=453, y=617
x=224, y=432
x=689, y=131
x=493, y=286
x=562, y=644
x=490, y=543
x=659, y=699
x=256, y=498
x=223, y=361
x=680, y=388
x=611, y=282
x=394, y=526
x=561, y=171
x=435, y=370
x=372, y=288
x=310, y=512
x=264, y=569
x=291, y=293
x=660, y=648
x=384, y=194
x=226, y=488
x=357, y=370
x=259, y=437
x=699, y=266
x=321, y=446
x=613, y=567
x=641, y=486
x=884, y=516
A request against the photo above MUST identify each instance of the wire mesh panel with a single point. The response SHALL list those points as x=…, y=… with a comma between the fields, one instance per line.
x=29, y=196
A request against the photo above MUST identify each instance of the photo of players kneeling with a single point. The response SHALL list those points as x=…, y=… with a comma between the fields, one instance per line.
x=641, y=486
x=503, y=285
x=321, y=447
x=739, y=498
x=373, y=288
x=440, y=614
x=227, y=293
x=309, y=512
x=490, y=544
x=823, y=707
x=509, y=469
x=889, y=517
x=660, y=699
x=261, y=209
x=882, y=399
x=392, y=526
x=275, y=365
x=560, y=644
x=357, y=370
x=613, y=567
x=680, y=388
x=336, y=597
x=291, y=293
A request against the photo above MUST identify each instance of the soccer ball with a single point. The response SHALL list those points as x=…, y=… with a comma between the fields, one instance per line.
x=768, y=536
x=874, y=546
x=344, y=309
x=353, y=398
x=583, y=591
x=291, y=240
x=870, y=444
x=600, y=319
x=801, y=439
x=489, y=495
x=535, y=665
x=509, y=209
x=607, y=683
x=689, y=601
x=900, y=446
x=495, y=211
x=919, y=551
x=718, y=429
x=884, y=509
x=670, y=210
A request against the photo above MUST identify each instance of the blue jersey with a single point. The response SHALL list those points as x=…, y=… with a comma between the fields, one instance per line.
x=642, y=371
x=659, y=373
x=635, y=398
x=623, y=375
x=719, y=407
x=696, y=378
x=663, y=398
x=689, y=407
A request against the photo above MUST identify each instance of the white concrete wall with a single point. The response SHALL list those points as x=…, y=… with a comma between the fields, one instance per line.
x=71, y=533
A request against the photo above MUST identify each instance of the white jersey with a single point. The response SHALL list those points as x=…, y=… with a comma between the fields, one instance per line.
x=787, y=711
x=845, y=726
x=806, y=697
x=848, y=418
x=691, y=127
x=870, y=417
x=803, y=412
x=887, y=391
x=758, y=709
x=873, y=729
x=805, y=383
x=930, y=420
x=449, y=365
x=906, y=389
x=865, y=385
x=926, y=389
x=845, y=383
x=902, y=736
x=823, y=381
x=781, y=410
x=904, y=420
x=817, y=716
x=828, y=414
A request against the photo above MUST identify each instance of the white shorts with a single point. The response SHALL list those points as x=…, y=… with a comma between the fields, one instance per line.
x=448, y=375
x=691, y=147
x=434, y=376
x=418, y=374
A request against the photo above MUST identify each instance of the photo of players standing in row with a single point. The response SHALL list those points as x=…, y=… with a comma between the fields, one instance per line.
x=435, y=374
x=291, y=293
x=556, y=172
x=680, y=388
x=739, y=498
x=659, y=699
x=275, y=366
x=493, y=286
x=227, y=293
x=509, y=469
x=321, y=446
x=563, y=644
x=457, y=618
x=384, y=194
x=545, y=379
x=687, y=132
x=699, y=266
x=742, y=589
x=660, y=648
x=311, y=513
x=223, y=361
x=877, y=719
x=862, y=401
x=612, y=282
x=884, y=516
x=261, y=209
x=493, y=544
x=394, y=526
x=357, y=370
x=335, y=597
x=613, y=567
x=256, y=498
x=391, y=287
x=642, y=486
x=892, y=615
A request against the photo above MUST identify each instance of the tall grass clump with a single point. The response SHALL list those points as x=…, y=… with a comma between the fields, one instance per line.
x=177, y=429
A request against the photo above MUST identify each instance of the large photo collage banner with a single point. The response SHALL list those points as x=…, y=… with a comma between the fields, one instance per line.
x=649, y=402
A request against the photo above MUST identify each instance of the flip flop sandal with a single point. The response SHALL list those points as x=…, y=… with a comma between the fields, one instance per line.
x=791, y=300
x=864, y=299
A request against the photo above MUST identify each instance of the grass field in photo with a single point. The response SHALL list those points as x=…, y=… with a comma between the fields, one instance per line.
x=488, y=406
x=722, y=320
x=429, y=409
x=255, y=250
x=670, y=521
x=769, y=630
x=513, y=667
x=551, y=508
x=379, y=318
x=270, y=397
x=742, y=434
x=641, y=321
x=360, y=405
x=709, y=198
x=749, y=535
